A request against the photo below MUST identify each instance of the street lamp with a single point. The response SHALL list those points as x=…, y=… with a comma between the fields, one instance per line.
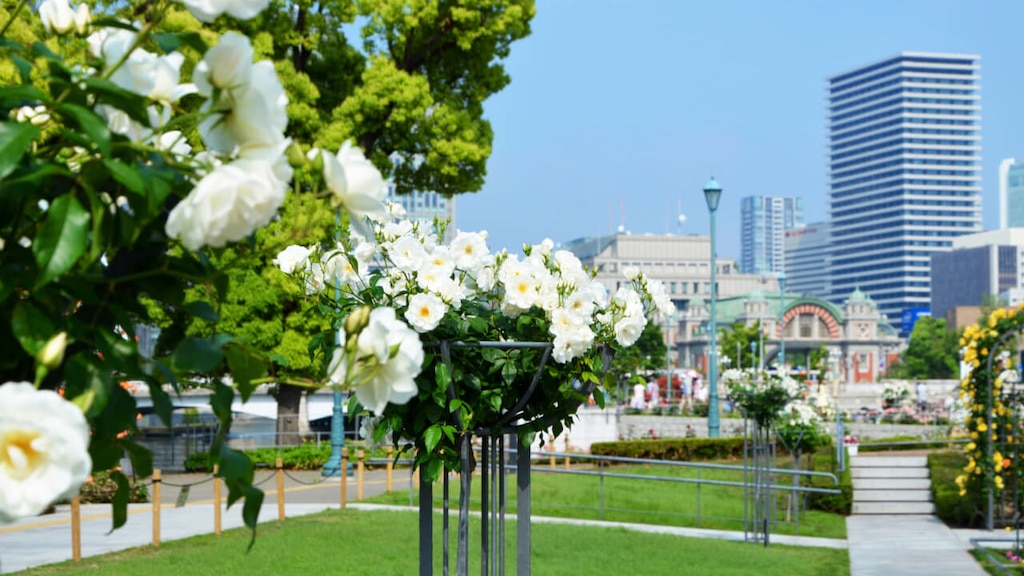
x=782, y=322
x=670, y=320
x=712, y=193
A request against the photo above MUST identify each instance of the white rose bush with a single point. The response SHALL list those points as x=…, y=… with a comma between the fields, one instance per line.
x=403, y=298
x=121, y=177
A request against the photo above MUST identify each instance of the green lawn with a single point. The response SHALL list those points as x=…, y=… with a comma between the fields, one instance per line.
x=358, y=543
x=647, y=502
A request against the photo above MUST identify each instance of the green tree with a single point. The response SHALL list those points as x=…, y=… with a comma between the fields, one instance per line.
x=932, y=351
x=739, y=335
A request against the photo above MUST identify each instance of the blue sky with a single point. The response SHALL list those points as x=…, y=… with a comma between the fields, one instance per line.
x=619, y=111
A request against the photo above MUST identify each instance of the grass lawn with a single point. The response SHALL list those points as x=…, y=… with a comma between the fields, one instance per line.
x=381, y=543
x=647, y=502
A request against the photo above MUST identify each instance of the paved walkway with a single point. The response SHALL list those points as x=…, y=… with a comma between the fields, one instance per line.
x=878, y=545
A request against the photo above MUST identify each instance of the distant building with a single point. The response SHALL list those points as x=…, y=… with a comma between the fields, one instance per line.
x=425, y=206
x=764, y=221
x=904, y=153
x=859, y=340
x=990, y=263
x=682, y=263
x=1011, y=194
x=807, y=260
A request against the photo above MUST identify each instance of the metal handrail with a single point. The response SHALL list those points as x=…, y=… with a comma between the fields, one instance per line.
x=685, y=464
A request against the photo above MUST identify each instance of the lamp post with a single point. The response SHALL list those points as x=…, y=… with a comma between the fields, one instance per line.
x=670, y=320
x=782, y=320
x=332, y=468
x=712, y=193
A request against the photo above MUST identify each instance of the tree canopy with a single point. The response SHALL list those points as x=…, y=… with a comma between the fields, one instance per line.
x=932, y=351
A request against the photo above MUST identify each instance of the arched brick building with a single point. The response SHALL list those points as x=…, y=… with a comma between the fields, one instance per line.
x=860, y=342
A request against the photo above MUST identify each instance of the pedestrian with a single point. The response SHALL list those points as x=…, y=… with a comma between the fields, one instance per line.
x=922, y=396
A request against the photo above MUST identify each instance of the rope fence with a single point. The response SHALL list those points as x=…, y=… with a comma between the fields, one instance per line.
x=156, y=483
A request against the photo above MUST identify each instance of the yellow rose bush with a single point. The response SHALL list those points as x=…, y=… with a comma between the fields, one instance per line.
x=990, y=420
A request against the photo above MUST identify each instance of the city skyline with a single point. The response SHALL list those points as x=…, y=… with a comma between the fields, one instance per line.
x=618, y=114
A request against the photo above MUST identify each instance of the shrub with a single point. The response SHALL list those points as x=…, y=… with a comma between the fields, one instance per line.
x=680, y=449
x=950, y=507
x=100, y=489
x=824, y=460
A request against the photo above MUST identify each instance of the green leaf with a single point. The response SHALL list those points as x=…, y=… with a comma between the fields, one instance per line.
x=126, y=175
x=202, y=309
x=245, y=367
x=40, y=49
x=130, y=103
x=141, y=457
x=15, y=140
x=431, y=436
x=31, y=327
x=196, y=355
x=161, y=400
x=433, y=471
x=234, y=466
x=62, y=239
x=120, y=501
x=24, y=68
x=90, y=123
x=20, y=94
x=251, y=510
x=171, y=41
x=84, y=377
x=220, y=402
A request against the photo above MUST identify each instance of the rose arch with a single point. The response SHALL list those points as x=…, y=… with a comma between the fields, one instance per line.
x=990, y=390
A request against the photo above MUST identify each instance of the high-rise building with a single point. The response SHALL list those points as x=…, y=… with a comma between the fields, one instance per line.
x=904, y=173
x=807, y=253
x=1011, y=194
x=989, y=264
x=765, y=220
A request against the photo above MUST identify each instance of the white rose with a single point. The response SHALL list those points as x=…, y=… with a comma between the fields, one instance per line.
x=83, y=18
x=257, y=116
x=629, y=329
x=631, y=272
x=226, y=66
x=44, y=450
x=469, y=249
x=425, y=312
x=208, y=10
x=356, y=184
x=292, y=258
x=389, y=356
x=227, y=205
x=407, y=254
x=57, y=16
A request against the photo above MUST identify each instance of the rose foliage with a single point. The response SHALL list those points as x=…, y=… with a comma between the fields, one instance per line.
x=118, y=181
x=508, y=324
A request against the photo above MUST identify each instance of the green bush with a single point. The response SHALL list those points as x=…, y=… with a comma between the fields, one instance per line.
x=944, y=467
x=302, y=457
x=884, y=444
x=824, y=460
x=101, y=489
x=681, y=449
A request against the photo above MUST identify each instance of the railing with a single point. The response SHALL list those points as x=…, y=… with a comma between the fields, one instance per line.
x=560, y=463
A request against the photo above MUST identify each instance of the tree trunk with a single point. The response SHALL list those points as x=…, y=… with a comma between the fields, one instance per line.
x=288, y=399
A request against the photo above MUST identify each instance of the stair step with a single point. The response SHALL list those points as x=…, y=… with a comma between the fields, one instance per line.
x=892, y=495
x=893, y=508
x=889, y=462
x=890, y=483
x=889, y=472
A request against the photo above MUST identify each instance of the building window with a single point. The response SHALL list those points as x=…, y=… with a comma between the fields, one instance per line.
x=806, y=325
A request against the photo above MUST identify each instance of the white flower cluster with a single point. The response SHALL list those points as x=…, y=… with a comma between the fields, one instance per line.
x=424, y=278
x=246, y=172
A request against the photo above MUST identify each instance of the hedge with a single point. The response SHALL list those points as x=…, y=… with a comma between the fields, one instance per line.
x=681, y=449
x=824, y=460
x=301, y=457
x=100, y=489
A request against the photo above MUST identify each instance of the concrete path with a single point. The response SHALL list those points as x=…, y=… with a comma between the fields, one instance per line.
x=909, y=545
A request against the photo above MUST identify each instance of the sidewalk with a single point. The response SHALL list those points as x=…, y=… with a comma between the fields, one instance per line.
x=910, y=545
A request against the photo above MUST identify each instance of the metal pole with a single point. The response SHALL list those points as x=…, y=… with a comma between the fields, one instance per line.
x=713, y=354
x=782, y=320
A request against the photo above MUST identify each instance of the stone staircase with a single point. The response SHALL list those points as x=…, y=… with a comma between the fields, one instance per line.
x=891, y=485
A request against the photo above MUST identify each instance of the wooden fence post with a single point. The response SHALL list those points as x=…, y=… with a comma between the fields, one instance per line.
x=566, y=450
x=76, y=528
x=390, y=467
x=344, y=477
x=359, y=479
x=216, y=500
x=156, y=507
x=280, y=488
